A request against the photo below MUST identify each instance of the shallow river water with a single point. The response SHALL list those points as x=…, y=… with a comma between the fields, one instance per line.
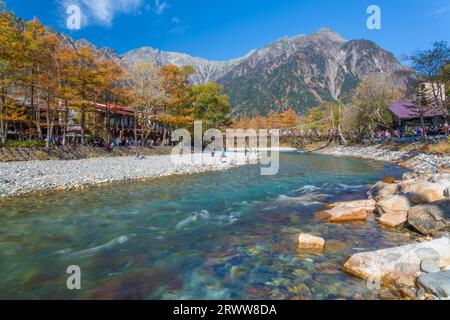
x=220, y=235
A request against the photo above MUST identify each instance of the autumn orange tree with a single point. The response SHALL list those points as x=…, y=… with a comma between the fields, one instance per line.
x=175, y=83
x=286, y=120
x=33, y=36
x=86, y=84
x=289, y=120
x=49, y=80
x=67, y=91
x=11, y=68
x=178, y=109
x=109, y=79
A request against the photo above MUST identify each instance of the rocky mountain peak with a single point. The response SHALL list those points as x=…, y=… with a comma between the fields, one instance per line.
x=328, y=34
x=297, y=72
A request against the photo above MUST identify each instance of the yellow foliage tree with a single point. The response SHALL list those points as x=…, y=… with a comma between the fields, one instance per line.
x=11, y=68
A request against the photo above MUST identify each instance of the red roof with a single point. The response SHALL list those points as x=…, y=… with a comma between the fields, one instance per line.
x=114, y=108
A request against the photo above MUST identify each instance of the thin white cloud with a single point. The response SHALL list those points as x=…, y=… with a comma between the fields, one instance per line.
x=103, y=11
x=160, y=6
x=439, y=11
x=181, y=30
x=179, y=26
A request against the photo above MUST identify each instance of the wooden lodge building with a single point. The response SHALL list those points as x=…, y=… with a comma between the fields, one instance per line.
x=119, y=120
x=406, y=115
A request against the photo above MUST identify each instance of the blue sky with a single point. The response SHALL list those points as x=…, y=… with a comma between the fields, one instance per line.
x=225, y=29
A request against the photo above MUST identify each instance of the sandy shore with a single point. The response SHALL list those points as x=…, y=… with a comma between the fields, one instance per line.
x=18, y=178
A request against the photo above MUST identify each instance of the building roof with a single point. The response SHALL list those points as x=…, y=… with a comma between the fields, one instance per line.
x=405, y=110
x=113, y=108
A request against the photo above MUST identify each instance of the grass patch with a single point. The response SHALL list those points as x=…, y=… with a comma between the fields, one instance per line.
x=23, y=144
x=442, y=148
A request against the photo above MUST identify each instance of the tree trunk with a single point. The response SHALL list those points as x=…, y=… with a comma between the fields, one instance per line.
x=164, y=135
x=52, y=125
x=341, y=136
x=107, y=134
x=142, y=132
x=135, y=125
x=65, y=117
x=96, y=130
x=83, y=125
x=3, y=123
x=424, y=133
x=49, y=137
x=3, y=133
x=38, y=122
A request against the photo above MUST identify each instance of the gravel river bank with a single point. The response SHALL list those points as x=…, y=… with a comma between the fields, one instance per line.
x=18, y=178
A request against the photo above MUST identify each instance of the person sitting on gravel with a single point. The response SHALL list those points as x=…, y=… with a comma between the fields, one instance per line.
x=139, y=157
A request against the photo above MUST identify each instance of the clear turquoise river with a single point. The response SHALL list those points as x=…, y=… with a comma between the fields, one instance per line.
x=221, y=235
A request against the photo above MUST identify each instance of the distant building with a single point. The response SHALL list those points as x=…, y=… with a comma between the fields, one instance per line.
x=406, y=115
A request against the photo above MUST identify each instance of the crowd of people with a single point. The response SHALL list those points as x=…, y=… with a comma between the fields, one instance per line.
x=409, y=133
x=330, y=133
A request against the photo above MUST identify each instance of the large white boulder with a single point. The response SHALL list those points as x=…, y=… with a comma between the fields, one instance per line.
x=394, y=204
x=426, y=189
x=398, y=266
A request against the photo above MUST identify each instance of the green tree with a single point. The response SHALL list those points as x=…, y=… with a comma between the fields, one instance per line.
x=318, y=118
x=211, y=105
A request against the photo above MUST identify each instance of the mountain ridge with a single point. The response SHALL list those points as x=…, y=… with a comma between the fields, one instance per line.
x=298, y=72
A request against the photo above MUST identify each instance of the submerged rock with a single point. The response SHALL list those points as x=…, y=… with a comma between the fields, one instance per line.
x=398, y=266
x=437, y=284
x=347, y=211
x=430, y=219
x=307, y=241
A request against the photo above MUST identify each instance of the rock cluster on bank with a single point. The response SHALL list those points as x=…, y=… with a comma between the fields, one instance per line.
x=420, y=202
x=414, y=161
